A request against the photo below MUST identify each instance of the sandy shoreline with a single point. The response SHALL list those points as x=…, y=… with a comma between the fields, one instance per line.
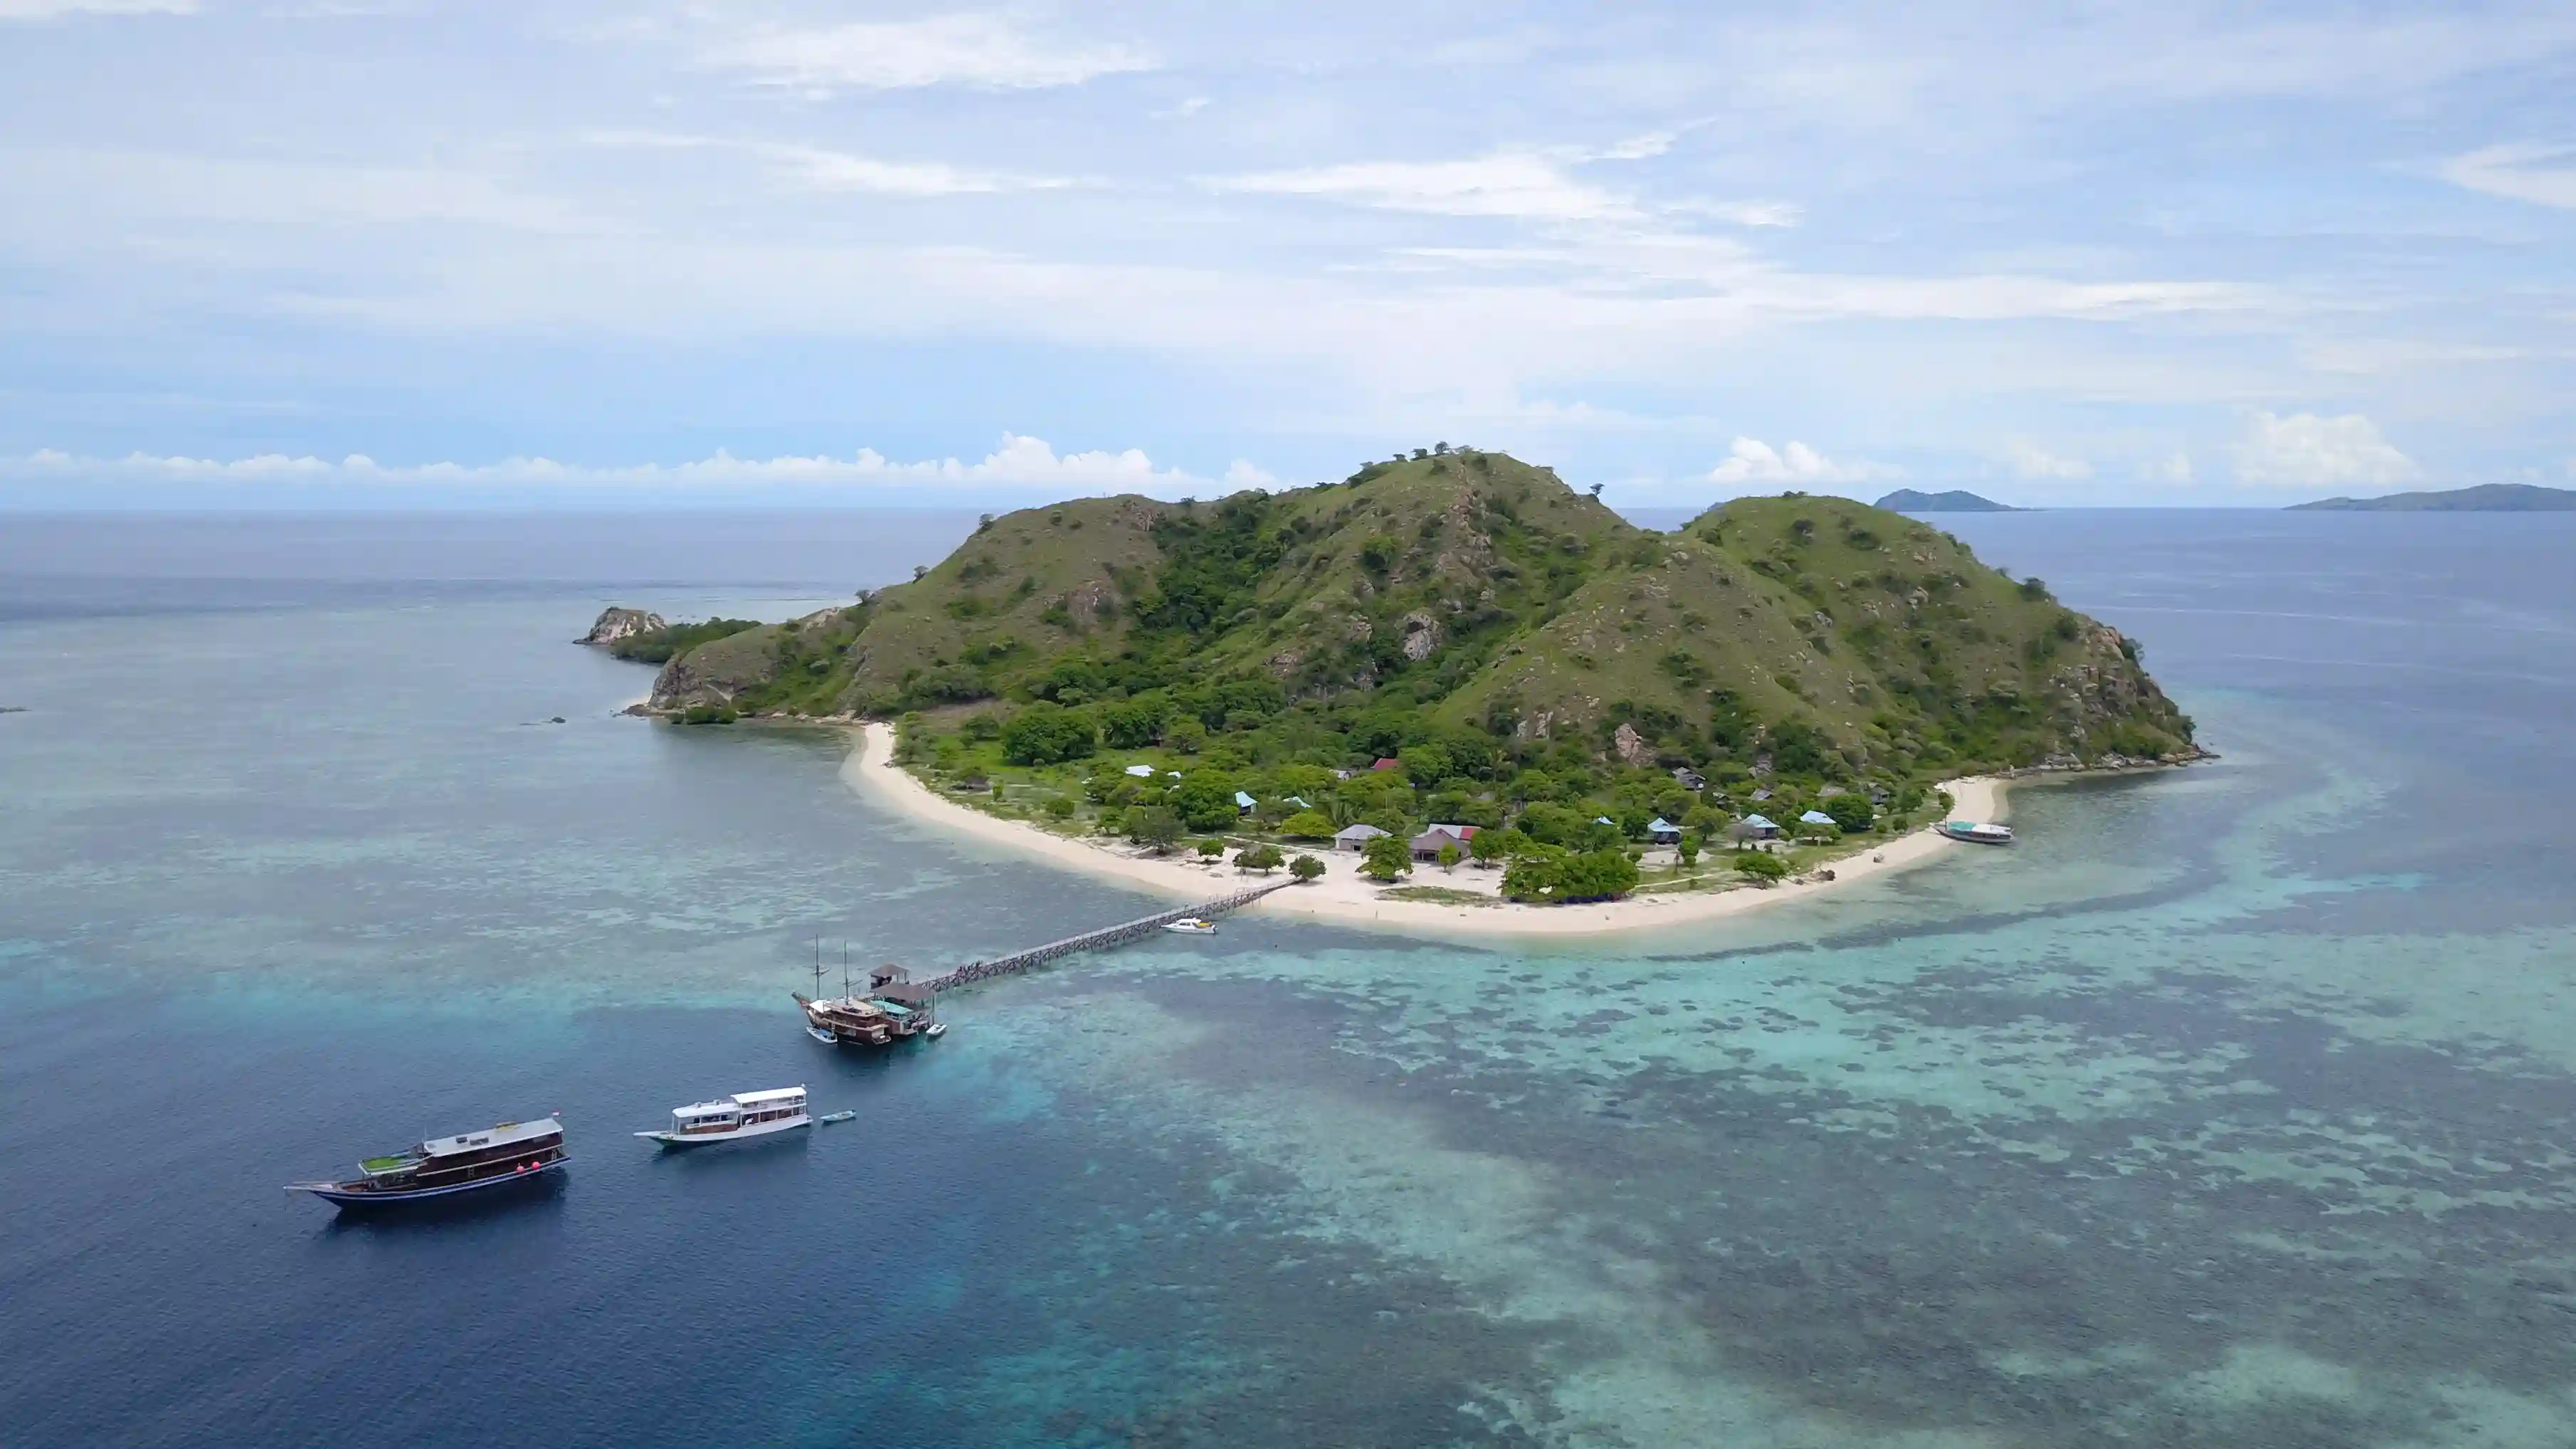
x=1345, y=896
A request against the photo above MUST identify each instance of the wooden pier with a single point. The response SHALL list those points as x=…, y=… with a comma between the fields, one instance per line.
x=1117, y=935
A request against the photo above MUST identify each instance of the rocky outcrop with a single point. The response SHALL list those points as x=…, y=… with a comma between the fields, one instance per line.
x=1421, y=636
x=1631, y=747
x=616, y=624
x=714, y=672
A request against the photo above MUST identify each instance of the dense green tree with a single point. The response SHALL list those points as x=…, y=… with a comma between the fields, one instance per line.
x=1306, y=868
x=1186, y=735
x=1596, y=875
x=1534, y=874
x=1489, y=846
x=1761, y=866
x=1386, y=858
x=1264, y=858
x=1154, y=827
x=1205, y=800
x=1045, y=734
x=1449, y=857
x=1210, y=848
x=1851, y=811
x=1131, y=724
x=1307, y=825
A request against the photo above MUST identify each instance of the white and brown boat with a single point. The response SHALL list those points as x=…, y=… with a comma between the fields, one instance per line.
x=892, y=1010
x=736, y=1118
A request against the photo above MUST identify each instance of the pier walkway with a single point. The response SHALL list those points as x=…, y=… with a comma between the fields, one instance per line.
x=1117, y=935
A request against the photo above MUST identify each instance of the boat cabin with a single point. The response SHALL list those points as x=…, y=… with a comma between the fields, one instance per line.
x=732, y=1114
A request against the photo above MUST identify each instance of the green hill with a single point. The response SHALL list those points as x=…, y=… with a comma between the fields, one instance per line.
x=1474, y=602
x=2485, y=498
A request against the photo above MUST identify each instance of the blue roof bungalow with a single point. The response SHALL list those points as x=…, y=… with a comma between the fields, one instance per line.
x=1663, y=832
x=1757, y=827
x=1243, y=803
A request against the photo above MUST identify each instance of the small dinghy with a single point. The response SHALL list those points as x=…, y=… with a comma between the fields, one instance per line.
x=1191, y=926
x=819, y=1034
x=842, y=1116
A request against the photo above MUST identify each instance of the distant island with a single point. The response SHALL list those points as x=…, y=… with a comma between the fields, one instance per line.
x=2484, y=498
x=1907, y=500
x=1453, y=642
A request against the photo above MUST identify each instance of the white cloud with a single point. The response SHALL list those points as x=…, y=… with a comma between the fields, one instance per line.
x=816, y=168
x=1018, y=461
x=2305, y=449
x=823, y=170
x=1527, y=184
x=1753, y=461
x=2029, y=460
x=2513, y=172
x=1742, y=213
x=983, y=51
x=2175, y=469
x=55, y=9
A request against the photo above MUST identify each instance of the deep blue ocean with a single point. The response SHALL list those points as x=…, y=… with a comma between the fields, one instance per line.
x=2236, y=1106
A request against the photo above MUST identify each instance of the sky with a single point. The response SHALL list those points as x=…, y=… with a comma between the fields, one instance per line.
x=326, y=252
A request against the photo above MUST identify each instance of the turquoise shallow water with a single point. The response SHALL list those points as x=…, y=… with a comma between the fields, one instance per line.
x=2231, y=1108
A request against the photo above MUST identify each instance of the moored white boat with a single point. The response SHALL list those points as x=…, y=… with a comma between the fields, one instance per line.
x=1191, y=926
x=1977, y=833
x=731, y=1119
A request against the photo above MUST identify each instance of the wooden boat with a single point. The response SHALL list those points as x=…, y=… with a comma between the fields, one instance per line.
x=443, y=1167
x=735, y=1118
x=1975, y=833
x=891, y=1010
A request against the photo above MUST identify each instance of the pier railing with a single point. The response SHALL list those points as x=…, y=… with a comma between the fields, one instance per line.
x=1106, y=936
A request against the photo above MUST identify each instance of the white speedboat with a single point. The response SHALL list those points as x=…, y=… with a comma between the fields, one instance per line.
x=1191, y=926
x=731, y=1119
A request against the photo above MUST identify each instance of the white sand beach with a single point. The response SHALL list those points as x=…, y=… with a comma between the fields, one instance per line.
x=1343, y=895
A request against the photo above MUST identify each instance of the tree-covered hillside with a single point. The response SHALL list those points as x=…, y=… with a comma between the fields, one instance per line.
x=1473, y=602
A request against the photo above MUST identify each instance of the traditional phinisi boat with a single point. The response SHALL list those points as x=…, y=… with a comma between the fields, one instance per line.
x=511, y=1152
x=892, y=1010
x=732, y=1119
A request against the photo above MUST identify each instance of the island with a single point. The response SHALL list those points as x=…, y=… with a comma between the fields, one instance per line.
x=2484, y=498
x=1448, y=689
x=1907, y=500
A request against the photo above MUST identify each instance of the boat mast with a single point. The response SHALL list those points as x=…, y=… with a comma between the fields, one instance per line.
x=818, y=965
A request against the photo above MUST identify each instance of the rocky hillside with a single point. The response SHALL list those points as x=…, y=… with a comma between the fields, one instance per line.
x=1469, y=595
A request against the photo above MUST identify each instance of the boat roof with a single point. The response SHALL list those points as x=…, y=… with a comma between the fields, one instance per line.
x=771, y=1094
x=498, y=1136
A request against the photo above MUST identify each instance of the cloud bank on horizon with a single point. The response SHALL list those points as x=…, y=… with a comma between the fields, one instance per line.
x=2127, y=253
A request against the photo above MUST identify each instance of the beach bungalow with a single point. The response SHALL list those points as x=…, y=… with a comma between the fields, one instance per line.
x=1300, y=802
x=1385, y=763
x=1141, y=772
x=1243, y=803
x=1757, y=827
x=1763, y=793
x=1426, y=846
x=1663, y=832
x=1689, y=778
x=1815, y=817
x=1355, y=837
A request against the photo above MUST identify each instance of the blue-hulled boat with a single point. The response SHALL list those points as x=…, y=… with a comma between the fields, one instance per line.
x=447, y=1167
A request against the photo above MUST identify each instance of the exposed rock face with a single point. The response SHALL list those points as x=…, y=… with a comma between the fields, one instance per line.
x=1631, y=747
x=616, y=624
x=1421, y=636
